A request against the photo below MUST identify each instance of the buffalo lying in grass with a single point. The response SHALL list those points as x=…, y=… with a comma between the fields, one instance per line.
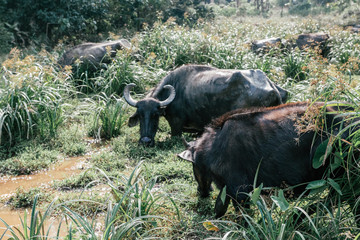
x=281, y=145
x=190, y=96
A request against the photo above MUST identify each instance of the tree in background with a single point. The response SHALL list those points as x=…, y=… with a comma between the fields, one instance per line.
x=135, y=13
x=47, y=21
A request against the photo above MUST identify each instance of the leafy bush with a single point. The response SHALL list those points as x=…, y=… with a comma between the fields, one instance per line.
x=29, y=19
x=38, y=21
x=301, y=7
x=6, y=40
x=139, y=13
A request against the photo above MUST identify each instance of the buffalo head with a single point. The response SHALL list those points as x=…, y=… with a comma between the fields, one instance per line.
x=148, y=113
x=203, y=179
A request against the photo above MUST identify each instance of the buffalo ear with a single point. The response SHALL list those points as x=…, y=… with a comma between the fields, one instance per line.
x=186, y=155
x=133, y=120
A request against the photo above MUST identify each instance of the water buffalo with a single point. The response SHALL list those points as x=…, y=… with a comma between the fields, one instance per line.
x=265, y=44
x=278, y=141
x=93, y=54
x=312, y=40
x=190, y=96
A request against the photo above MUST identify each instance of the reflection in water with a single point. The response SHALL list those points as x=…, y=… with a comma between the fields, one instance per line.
x=8, y=186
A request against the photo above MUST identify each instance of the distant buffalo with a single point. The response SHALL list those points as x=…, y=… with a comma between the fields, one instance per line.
x=275, y=145
x=265, y=44
x=192, y=95
x=312, y=40
x=356, y=28
x=93, y=54
x=308, y=40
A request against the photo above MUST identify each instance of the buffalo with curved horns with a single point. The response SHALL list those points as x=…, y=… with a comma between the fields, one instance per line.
x=192, y=95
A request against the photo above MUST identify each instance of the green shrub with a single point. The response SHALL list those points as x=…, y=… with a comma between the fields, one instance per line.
x=6, y=39
x=31, y=19
x=301, y=8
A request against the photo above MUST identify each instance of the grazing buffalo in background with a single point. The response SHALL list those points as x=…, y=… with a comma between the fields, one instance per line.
x=93, y=54
x=312, y=40
x=192, y=95
x=274, y=139
x=265, y=44
x=302, y=41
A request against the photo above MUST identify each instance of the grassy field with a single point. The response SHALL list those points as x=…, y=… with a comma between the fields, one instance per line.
x=127, y=191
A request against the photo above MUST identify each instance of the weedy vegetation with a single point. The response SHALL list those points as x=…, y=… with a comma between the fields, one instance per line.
x=127, y=191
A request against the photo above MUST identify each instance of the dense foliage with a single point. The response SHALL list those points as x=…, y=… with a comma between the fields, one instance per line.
x=45, y=21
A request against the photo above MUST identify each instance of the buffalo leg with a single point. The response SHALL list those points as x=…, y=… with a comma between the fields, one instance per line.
x=220, y=205
x=176, y=125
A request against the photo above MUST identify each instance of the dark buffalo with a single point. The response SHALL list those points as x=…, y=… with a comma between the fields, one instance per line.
x=314, y=40
x=93, y=54
x=280, y=140
x=199, y=94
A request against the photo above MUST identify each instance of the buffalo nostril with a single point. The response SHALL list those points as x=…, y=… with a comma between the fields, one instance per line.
x=145, y=140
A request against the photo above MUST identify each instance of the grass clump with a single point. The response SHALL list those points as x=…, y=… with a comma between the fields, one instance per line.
x=110, y=116
x=84, y=180
x=108, y=161
x=295, y=66
x=25, y=199
x=32, y=159
x=70, y=140
x=171, y=170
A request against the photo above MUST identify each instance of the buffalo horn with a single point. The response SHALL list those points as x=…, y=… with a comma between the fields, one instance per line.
x=186, y=144
x=170, y=98
x=127, y=96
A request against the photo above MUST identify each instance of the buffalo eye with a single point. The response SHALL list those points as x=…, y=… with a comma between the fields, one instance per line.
x=160, y=111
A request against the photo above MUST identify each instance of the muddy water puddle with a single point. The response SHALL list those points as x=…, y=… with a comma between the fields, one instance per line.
x=68, y=167
x=9, y=185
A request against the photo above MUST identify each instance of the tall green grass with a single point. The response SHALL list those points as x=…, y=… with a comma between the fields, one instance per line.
x=30, y=100
x=110, y=116
x=134, y=214
x=36, y=228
